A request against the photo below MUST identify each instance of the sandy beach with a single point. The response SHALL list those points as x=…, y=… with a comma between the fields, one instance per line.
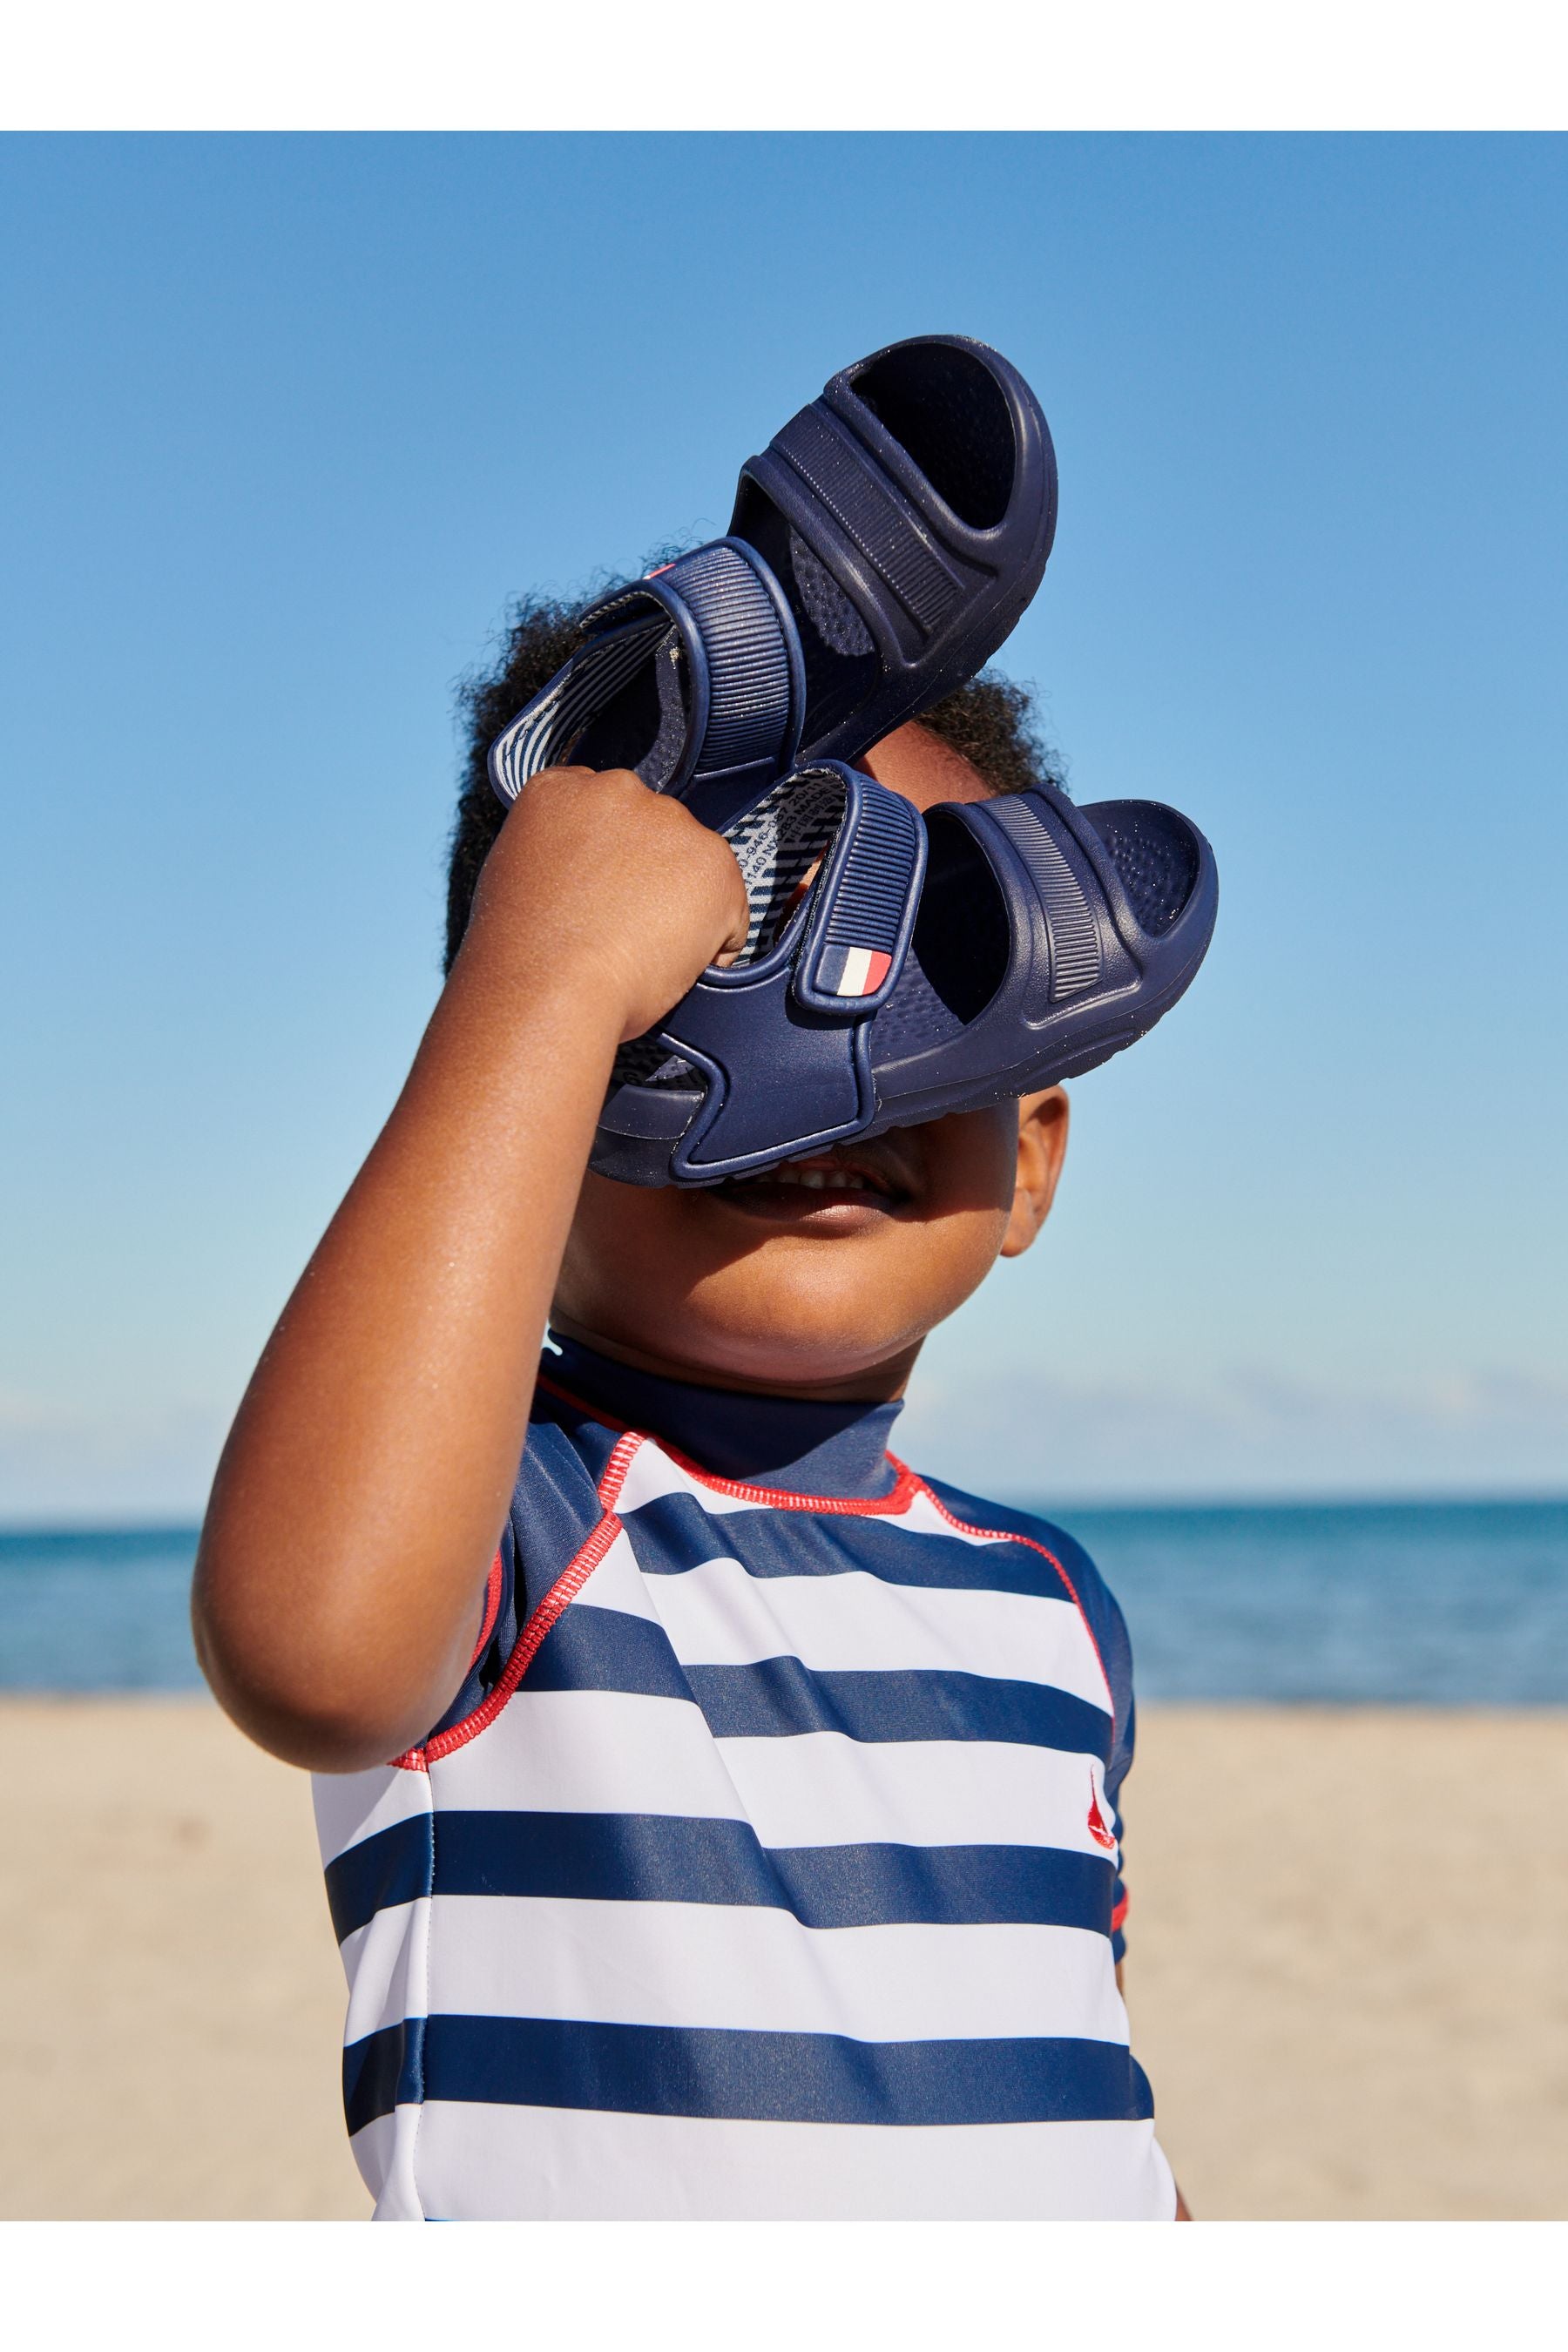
x=1346, y=1969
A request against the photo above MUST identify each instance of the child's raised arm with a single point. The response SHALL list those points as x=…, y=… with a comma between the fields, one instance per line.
x=361, y=1494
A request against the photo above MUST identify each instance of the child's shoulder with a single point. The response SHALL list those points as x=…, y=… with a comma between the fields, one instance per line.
x=982, y=1516
x=1084, y=1582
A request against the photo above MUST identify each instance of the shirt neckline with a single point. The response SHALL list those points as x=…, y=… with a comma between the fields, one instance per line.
x=787, y=1446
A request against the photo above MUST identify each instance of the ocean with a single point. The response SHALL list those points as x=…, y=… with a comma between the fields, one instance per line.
x=1446, y=1604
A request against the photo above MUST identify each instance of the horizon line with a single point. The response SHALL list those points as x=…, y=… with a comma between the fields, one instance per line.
x=1380, y=1498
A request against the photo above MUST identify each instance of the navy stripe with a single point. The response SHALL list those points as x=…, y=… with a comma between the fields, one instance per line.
x=664, y=2070
x=668, y=1858
x=607, y=1649
x=393, y=1866
x=384, y=2071
x=780, y=1698
x=594, y=1649
x=673, y=1532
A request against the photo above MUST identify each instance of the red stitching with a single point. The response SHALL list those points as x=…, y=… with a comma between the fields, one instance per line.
x=564, y=1590
x=492, y=1610
x=616, y=1468
x=904, y=1487
x=1008, y=1535
x=562, y=1593
x=896, y=1499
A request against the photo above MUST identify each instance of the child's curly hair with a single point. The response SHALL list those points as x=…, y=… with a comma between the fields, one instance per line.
x=991, y=722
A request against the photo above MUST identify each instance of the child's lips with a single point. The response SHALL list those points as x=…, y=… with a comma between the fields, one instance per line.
x=847, y=1186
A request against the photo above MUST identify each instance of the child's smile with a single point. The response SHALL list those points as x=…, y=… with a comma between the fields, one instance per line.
x=834, y=1191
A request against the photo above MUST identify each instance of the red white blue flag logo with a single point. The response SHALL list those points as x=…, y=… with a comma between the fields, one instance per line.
x=853, y=971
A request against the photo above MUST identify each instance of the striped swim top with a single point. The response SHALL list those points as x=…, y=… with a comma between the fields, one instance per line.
x=766, y=1866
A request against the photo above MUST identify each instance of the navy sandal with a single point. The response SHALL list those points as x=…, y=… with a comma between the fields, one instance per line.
x=882, y=547
x=1050, y=938
x=770, y=1054
x=908, y=515
x=933, y=965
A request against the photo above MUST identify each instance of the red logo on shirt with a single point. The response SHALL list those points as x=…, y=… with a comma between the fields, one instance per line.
x=1098, y=1830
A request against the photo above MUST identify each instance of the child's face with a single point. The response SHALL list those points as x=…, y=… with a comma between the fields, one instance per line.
x=784, y=1283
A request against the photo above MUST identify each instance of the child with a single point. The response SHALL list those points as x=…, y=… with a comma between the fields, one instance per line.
x=751, y=1844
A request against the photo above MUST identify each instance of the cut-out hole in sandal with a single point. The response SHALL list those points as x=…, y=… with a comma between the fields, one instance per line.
x=949, y=412
x=1153, y=851
x=962, y=942
x=645, y=726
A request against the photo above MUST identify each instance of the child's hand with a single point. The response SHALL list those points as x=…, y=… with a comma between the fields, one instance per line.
x=598, y=883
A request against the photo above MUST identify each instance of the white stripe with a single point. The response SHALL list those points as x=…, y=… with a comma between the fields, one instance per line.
x=852, y=979
x=395, y=1950
x=652, y=1474
x=555, y=2164
x=822, y=1789
x=385, y=1963
x=351, y=1806
x=384, y=2151
x=742, y=1967
x=618, y=1582
x=923, y=1519
x=717, y=1614
x=614, y=1752
x=591, y=1752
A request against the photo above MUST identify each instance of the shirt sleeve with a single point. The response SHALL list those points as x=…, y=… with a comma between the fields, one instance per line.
x=554, y=1509
x=1120, y=1765
x=1108, y=1629
x=1116, y=1653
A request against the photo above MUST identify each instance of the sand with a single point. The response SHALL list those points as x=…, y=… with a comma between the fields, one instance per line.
x=1347, y=1967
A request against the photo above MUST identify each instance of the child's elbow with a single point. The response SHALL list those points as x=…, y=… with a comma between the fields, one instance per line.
x=309, y=1695
x=322, y=1730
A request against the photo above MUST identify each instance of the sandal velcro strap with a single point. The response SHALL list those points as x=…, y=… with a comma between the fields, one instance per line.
x=862, y=910
x=777, y=1041
x=819, y=448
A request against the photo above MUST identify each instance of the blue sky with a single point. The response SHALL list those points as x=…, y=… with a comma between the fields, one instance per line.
x=288, y=420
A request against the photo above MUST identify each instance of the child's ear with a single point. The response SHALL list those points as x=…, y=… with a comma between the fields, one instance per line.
x=1042, y=1148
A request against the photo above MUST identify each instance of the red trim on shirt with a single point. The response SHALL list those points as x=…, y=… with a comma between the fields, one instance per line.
x=616, y=1468
x=1119, y=1914
x=1009, y=1535
x=562, y=1593
x=492, y=1610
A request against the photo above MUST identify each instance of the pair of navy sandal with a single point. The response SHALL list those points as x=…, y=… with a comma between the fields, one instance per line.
x=882, y=549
